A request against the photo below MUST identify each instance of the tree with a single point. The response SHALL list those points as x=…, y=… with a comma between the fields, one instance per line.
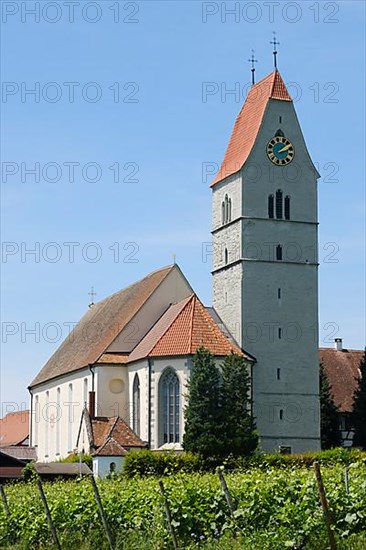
x=359, y=408
x=203, y=432
x=238, y=431
x=329, y=422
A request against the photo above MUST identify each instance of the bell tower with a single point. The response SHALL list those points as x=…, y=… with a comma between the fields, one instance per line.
x=265, y=263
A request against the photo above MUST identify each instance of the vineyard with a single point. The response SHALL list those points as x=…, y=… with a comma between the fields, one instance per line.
x=275, y=508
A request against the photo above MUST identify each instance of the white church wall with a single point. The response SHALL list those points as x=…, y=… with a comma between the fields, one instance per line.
x=56, y=413
x=173, y=288
x=112, y=396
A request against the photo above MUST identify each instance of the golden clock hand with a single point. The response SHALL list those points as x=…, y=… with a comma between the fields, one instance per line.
x=285, y=148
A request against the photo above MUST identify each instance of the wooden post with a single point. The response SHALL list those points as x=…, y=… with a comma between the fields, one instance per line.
x=324, y=503
x=168, y=514
x=101, y=512
x=346, y=480
x=226, y=490
x=48, y=514
x=5, y=502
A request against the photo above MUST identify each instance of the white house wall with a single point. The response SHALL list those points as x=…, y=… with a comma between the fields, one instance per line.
x=111, y=385
x=56, y=417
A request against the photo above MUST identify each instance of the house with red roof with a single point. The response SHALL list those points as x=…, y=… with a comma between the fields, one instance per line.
x=342, y=367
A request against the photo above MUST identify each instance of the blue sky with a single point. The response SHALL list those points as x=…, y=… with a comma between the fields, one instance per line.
x=137, y=105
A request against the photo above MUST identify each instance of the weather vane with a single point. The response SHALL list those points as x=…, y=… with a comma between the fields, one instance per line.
x=275, y=44
x=92, y=295
x=253, y=60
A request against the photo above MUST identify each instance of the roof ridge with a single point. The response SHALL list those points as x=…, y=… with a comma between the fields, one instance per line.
x=180, y=311
x=112, y=427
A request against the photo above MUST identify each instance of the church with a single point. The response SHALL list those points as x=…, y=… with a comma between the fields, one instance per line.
x=118, y=381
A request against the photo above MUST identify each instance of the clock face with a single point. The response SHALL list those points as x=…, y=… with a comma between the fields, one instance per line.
x=280, y=150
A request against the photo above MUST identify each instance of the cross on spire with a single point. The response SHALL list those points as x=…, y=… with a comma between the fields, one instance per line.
x=92, y=295
x=253, y=60
x=275, y=44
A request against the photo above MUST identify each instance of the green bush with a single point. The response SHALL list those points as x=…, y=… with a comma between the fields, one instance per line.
x=149, y=463
x=159, y=463
x=73, y=457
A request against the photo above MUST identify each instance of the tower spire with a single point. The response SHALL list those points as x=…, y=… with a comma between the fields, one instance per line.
x=275, y=44
x=252, y=60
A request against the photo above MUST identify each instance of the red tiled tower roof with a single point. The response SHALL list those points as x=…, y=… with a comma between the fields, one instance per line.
x=183, y=329
x=248, y=122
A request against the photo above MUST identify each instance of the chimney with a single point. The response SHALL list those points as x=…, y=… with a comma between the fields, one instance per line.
x=92, y=404
x=338, y=344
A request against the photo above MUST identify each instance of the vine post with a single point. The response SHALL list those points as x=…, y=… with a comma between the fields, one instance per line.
x=324, y=503
x=48, y=514
x=168, y=515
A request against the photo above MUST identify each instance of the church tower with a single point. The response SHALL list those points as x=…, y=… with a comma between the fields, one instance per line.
x=265, y=263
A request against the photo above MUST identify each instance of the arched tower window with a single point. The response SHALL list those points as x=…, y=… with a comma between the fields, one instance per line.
x=169, y=397
x=226, y=256
x=223, y=212
x=279, y=204
x=229, y=210
x=279, y=252
x=271, y=206
x=287, y=207
x=136, y=405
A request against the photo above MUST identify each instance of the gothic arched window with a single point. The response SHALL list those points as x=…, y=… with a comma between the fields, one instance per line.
x=226, y=256
x=223, y=212
x=229, y=210
x=271, y=206
x=279, y=204
x=287, y=207
x=136, y=405
x=169, y=397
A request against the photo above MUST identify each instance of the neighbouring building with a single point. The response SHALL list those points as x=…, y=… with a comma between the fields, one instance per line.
x=342, y=367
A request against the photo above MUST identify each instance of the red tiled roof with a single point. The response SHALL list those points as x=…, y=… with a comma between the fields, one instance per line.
x=14, y=428
x=110, y=448
x=112, y=434
x=99, y=327
x=248, y=122
x=342, y=368
x=183, y=329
